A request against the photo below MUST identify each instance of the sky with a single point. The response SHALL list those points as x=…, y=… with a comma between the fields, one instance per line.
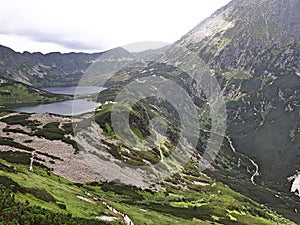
x=97, y=25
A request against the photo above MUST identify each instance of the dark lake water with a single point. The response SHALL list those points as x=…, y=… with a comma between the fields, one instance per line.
x=74, y=90
x=66, y=108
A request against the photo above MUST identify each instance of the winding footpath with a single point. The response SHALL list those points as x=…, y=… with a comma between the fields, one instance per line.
x=256, y=171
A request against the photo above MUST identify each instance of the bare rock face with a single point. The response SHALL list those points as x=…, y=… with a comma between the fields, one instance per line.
x=253, y=36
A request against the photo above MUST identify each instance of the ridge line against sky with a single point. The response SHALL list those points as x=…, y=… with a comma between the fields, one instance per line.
x=93, y=25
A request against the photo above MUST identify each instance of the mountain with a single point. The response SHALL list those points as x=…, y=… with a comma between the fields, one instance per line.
x=57, y=69
x=251, y=48
x=258, y=37
x=34, y=152
x=40, y=70
x=254, y=49
x=106, y=65
x=152, y=54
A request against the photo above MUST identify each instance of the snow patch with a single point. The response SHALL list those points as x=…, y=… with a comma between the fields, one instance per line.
x=296, y=183
x=84, y=199
x=200, y=183
x=107, y=218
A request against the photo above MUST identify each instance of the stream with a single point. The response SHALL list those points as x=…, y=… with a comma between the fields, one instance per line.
x=256, y=173
x=251, y=160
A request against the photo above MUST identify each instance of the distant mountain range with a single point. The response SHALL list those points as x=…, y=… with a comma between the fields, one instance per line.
x=39, y=69
x=57, y=69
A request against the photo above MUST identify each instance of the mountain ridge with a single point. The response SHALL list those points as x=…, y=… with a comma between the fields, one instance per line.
x=241, y=30
x=51, y=69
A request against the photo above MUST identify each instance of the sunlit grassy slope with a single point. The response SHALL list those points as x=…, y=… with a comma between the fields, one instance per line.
x=204, y=202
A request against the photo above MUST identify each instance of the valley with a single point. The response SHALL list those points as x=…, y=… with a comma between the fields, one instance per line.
x=203, y=131
x=89, y=200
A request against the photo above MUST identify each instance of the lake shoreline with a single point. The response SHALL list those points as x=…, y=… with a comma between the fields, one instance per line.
x=73, y=104
x=71, y=107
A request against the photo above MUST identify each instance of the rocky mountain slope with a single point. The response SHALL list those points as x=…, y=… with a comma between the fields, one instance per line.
x=254, y=49
x=57, y=69
x=39, y=69
x=251, y=47
x=258, y=37
x=33, y=151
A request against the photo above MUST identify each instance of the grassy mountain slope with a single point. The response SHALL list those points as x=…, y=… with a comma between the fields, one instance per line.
x=12, y=92
x=203, y=202
x=253, y=49
x=262, y=137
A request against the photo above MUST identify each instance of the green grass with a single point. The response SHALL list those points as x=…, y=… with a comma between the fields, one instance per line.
x=236, y=75
x=20, y=119
x=13, y=92
x=11, y=143
x=103, y=118
x=51, y=131
x=62, y=191
x=205, y=205
x=176, y=205
x=14, y=212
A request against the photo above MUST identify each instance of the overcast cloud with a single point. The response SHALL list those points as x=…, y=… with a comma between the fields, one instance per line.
x=96, y=25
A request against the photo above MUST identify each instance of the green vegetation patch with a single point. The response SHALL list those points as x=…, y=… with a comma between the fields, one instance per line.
x=236, y=75
x=51, y=131
x=13, y=92
x=14, y=212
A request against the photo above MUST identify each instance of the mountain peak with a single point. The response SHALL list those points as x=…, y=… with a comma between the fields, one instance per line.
x=245, y=34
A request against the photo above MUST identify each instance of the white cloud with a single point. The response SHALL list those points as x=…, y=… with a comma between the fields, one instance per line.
x=94, y=25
